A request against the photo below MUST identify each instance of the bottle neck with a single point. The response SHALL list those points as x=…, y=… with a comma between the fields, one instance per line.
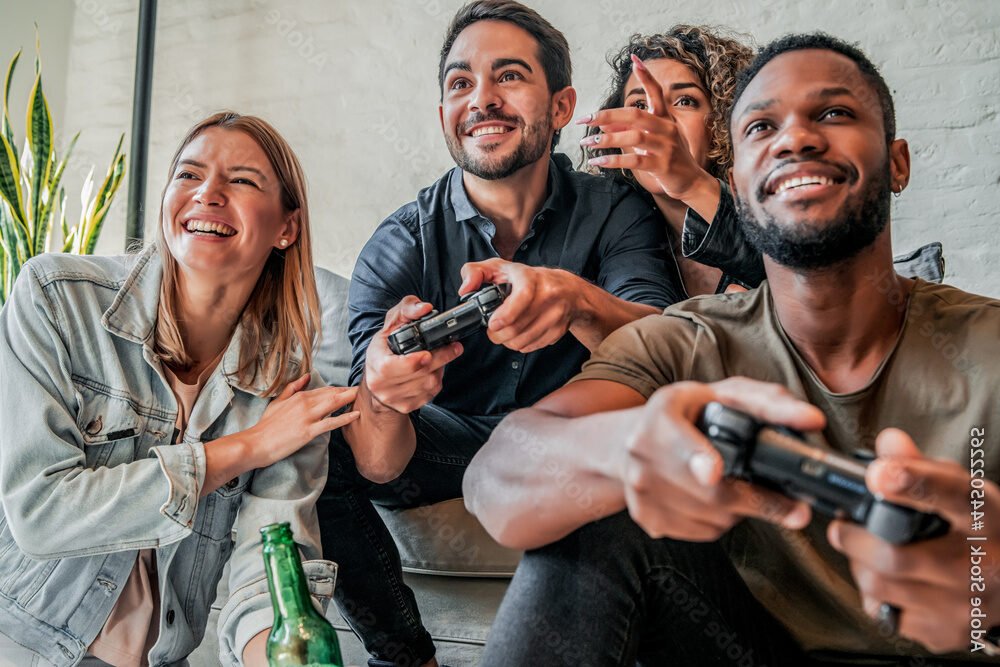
x=287, y=581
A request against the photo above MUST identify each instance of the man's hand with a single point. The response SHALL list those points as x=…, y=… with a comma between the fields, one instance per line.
x=651, y=142
x=542, y=305
x=929, y=582
x=673, y=477
x=406, y=382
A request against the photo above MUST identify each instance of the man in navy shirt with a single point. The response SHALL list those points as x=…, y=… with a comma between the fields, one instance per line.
x=583, y=256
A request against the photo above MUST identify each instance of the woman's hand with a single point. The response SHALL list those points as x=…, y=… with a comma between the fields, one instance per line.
x=650, y=141
x=297, y=416
x=294, y=418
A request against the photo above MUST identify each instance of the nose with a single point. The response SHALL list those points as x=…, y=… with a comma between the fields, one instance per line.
x=799, y=136
x=210, y=193
x=485, y=97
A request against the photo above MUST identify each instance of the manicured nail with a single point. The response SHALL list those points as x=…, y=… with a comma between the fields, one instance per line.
x=703, y=468
x=591, y=140
x=637, y=61
x=597, y=161
x=797, y=518
x=584, y=120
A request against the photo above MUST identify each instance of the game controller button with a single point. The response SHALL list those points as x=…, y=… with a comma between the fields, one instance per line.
x=863, y=455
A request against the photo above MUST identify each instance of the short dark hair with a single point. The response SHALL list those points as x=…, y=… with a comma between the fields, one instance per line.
x=825, y=42
x=553, y=49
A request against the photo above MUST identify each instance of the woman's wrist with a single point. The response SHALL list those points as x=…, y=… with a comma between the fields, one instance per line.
x=229, y=457
x=703, y=196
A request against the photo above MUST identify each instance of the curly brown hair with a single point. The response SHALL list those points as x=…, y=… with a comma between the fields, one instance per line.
x=714, y=55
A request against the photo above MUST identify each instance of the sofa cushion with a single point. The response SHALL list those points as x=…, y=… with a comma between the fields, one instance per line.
x=445, y=539
x=926, y=262
x=332, y=358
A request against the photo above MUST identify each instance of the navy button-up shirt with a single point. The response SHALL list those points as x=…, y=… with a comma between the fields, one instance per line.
x=591, y=226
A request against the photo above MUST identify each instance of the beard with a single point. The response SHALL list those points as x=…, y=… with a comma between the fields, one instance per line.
x=536, y=140
x=817, y=244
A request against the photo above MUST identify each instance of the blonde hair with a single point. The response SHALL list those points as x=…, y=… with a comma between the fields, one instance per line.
x=281, y=320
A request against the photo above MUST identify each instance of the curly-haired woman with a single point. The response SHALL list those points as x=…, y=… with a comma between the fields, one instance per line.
x=662, y=127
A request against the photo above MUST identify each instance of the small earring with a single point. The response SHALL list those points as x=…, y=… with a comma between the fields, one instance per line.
x=897, y=191
x=283, y=242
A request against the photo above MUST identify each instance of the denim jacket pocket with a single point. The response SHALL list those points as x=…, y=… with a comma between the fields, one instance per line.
x=20, y=575
x=217, y=511
x=109, y=425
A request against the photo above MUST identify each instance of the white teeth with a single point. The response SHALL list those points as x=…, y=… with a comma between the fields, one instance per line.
x=489, y=129
x=210, y=227
x=802, y=180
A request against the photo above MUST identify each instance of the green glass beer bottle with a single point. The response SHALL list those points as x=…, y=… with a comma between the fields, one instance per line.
x=300, y=636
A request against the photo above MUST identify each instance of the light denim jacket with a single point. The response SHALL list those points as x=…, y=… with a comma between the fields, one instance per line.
x=89, y=474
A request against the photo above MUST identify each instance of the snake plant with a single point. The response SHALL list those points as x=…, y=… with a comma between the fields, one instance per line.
x=32, y=193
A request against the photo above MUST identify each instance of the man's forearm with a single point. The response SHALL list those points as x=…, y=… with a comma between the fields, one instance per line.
x=381, y=439
x=540, y=476
x=600, y=313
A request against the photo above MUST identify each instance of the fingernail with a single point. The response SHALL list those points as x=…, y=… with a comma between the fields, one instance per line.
x=833, y=535
x=871, y=606
x=583, y=120
x=797, y=518
x=895, y=478
x=597, y=161
x=497, y=324
x=637, y=61
x=591, y=140
x=703, y=468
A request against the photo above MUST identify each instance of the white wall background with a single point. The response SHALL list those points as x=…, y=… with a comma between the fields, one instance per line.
x=353, y=85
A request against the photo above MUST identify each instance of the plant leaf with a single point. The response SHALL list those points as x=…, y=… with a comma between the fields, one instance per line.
x=39, y=138
x=6, y=237
x=8, y=131
x=102, y=203
x=43, y=226
x=10, y=182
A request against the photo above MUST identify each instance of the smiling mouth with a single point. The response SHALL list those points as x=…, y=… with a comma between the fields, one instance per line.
x=802, y=181
x=206, y=228
x=486, y=130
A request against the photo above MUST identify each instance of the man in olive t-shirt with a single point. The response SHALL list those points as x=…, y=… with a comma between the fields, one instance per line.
x=594, y=478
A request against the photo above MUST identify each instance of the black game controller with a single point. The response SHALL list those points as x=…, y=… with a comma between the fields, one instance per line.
x=779, y=458
x=437, y=329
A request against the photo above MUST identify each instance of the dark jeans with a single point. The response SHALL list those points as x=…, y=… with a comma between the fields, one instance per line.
x=609, y=595
x=370, y=590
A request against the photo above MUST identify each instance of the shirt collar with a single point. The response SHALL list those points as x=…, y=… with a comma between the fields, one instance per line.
x=132, y=316
x=559, y=165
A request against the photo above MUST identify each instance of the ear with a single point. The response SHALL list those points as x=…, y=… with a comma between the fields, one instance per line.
x=563, y=105
x=899, y=165
x=441, y=116
x=289, y=230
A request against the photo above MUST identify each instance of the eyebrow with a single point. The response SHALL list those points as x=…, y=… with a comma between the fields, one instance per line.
x=499, y=63
x=202, y=165
x=831, y=92
x=458, y=64
x=674, y=86
x=825, y=93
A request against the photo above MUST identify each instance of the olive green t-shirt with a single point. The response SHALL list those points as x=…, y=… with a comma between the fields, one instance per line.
x=938, y=384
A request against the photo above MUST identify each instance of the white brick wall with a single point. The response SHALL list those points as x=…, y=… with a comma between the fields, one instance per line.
x=352, y=84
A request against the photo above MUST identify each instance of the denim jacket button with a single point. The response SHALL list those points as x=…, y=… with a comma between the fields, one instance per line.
x=95, y=426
